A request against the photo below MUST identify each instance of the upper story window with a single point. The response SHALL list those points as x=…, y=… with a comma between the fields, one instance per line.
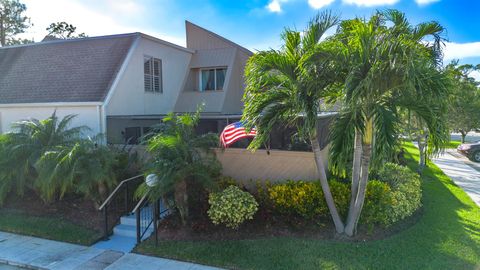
x=152, y=70
x=212, y=79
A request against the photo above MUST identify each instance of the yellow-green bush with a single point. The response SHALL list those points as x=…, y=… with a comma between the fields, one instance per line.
x=378, y=199
x=306, y=198
x=384, y=205
x=231, y=207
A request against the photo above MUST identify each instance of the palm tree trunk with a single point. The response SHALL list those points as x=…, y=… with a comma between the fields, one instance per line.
x=422, y=142
x=339, y=227
x=357, y=154
x=359, y=199
x=181, y=200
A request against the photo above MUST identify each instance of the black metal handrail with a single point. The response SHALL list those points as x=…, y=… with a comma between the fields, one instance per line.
x=119, y=202
x=146, y=215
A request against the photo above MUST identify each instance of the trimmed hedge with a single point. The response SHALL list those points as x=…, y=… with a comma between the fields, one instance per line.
x=394, y=196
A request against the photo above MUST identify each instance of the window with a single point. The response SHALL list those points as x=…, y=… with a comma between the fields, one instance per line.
x=152, y=70
x=132, y=135
x=212, y=79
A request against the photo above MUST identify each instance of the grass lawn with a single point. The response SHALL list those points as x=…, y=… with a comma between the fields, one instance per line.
x=447, y=236
x=453, y=144
x=47, y=227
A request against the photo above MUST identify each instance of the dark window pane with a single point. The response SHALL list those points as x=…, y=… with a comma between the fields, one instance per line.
x=156, y=67
x=208, y=80
x=221, y=78
x=147, y=65
x=148, y=83
x=156, y=84
x=132, y=134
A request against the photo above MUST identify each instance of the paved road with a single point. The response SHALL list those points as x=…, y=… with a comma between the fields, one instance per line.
x=40, y=253
x=471, y=137
x=465, y=173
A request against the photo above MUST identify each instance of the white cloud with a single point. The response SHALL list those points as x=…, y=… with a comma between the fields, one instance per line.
x=461, y=50
x=425, y=2
x=475, y=74
x=370, y=3
x=95, y=18
x=274, y=6
x=318, y=4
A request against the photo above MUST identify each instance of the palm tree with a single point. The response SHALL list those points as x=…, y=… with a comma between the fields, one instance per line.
x=30, y=139
x=388, y=68
x=180, y=157
x=285, y=88
x=86, y=167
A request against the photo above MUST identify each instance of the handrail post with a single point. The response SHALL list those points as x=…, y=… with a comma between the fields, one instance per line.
x=137, y=217
x=156, y=217
x=105, y=215
x=126, y=197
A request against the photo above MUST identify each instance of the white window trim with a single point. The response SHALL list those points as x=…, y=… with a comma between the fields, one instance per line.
x=214, y=79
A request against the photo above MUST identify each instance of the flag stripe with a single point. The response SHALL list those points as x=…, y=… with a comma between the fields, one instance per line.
x=234, y=132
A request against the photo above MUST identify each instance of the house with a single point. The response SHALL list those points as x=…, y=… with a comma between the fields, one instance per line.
x=120, y=85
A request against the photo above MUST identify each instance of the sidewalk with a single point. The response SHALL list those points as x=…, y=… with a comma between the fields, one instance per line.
x=37, y=253
x=463, y=172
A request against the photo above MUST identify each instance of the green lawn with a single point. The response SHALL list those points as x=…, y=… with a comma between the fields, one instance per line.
x=47, y=227
x=447, y=236
x=453, y=144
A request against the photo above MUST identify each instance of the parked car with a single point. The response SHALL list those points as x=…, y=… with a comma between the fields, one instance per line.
x=470, y=150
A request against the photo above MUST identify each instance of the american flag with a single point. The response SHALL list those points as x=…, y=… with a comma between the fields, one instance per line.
x=235, y=132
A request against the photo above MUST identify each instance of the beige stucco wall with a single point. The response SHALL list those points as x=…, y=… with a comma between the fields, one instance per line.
x=130, y=98
x=244, y=165
x=86, y=115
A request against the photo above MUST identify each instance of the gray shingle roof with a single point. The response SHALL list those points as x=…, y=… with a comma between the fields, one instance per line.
x=79, y=70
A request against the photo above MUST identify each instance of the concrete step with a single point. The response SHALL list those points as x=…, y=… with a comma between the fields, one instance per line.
x=130, y=220
x=120, y=243
x=127, y=230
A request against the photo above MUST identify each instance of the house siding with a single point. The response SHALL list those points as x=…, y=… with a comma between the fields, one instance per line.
x=86, y=116
x=129, y=96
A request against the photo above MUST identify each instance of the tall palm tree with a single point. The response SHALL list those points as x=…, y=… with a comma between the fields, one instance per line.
x=390, y=65
x=284, y=88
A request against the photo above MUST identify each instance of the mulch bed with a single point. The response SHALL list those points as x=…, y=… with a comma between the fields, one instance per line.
x=266, y=225
x=72, y=208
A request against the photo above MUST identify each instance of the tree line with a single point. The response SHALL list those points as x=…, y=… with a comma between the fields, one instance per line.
x=14, y=22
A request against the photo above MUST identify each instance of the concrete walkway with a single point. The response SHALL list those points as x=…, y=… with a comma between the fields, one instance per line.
x=465, y=173
x=37, y=253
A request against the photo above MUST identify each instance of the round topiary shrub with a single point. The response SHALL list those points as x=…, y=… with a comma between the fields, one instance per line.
x=231, y=207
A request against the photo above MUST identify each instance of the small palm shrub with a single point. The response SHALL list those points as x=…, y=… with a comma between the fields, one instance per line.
x=181, y=159
x=85, y=168
x=231, y=207
x=52, y=158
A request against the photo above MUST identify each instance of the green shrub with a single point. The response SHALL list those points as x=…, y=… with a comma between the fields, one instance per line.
x=306, y=198
x=378, y=199
x=395, y=196
x=395, y=175
x=224, y=182
x=406, y=191
x=231, y=207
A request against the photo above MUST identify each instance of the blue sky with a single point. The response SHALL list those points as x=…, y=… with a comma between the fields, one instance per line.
x=255, y=24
